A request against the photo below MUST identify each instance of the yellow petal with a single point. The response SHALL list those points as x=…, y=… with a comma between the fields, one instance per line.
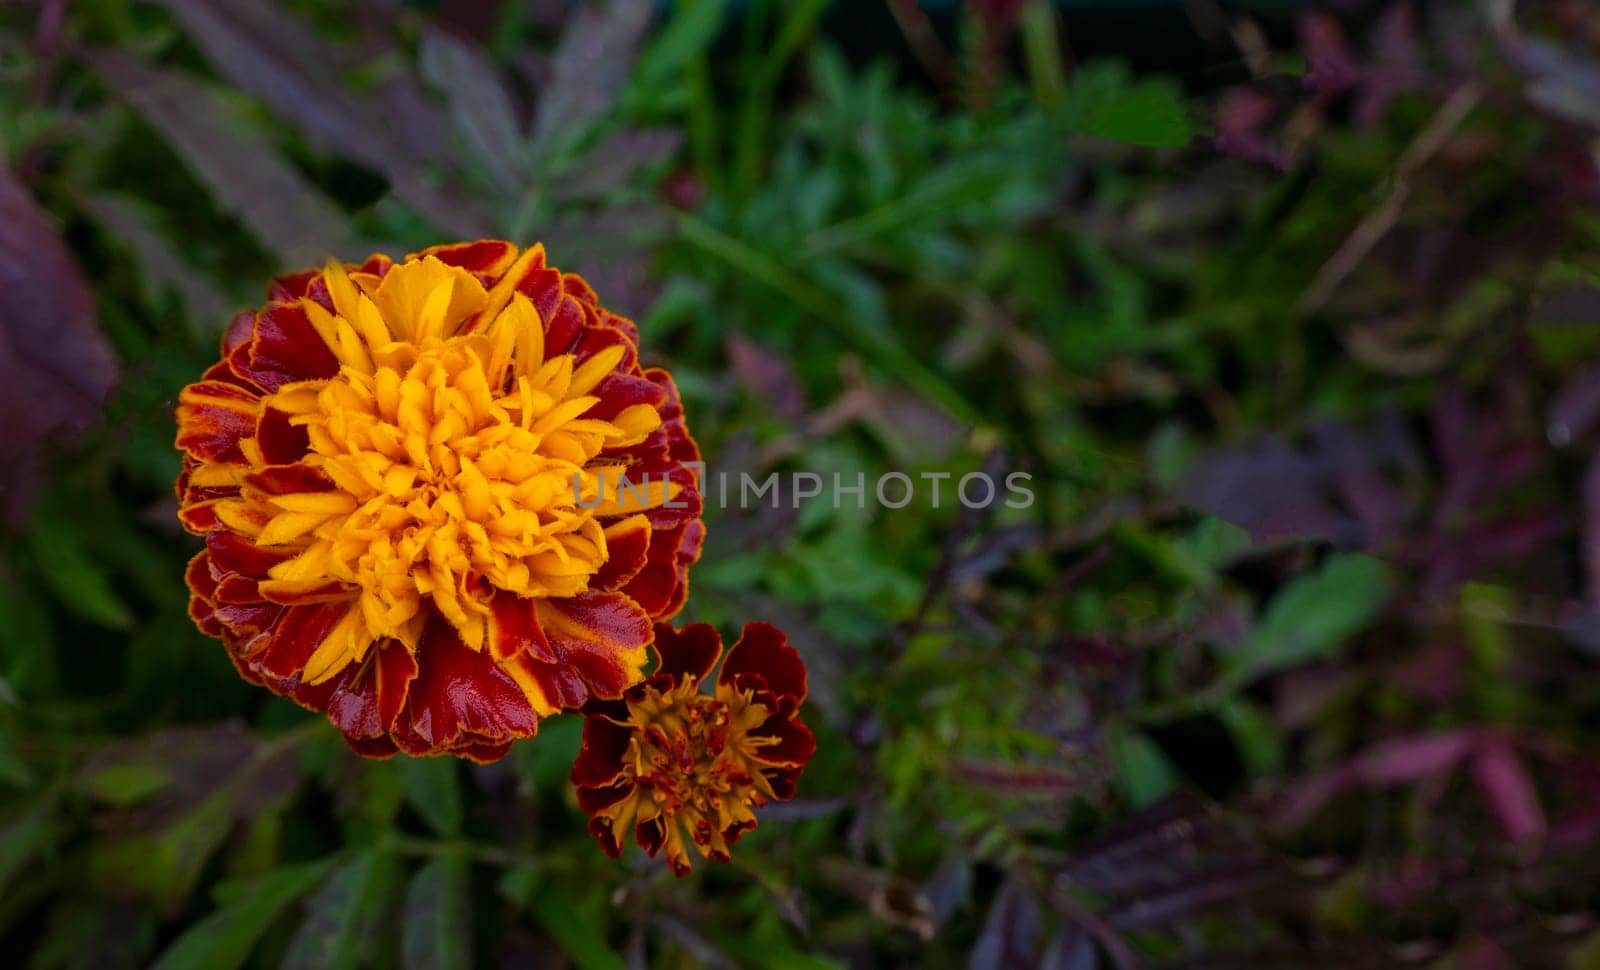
x=341, y=289
x=404, y=293
x=624, y=496
x=594, y=370
x=345, y=642
x=319, y=503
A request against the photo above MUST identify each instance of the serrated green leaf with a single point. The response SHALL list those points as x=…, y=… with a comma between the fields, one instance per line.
x=82, y=584
x=578, y=928
x=693, y=27
x=167, y=864
x=125, y=785
x=432, y=788
x=226, y=937
x=26, y=836
x=346, y=915
x=438, y=916
x=1146, y=772
x=1255, y=736
x=13, y=770
x=1313, y=615
x=546, y=764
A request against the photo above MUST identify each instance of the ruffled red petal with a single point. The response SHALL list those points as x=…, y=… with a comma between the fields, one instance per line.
x=600, y=636
x=691, y=651
x=281, y=443
x=627, y=550
x=488, y=258
x=297, y=635
x=763, y=650
x=514, y=629
x=396, y=669
x=600, y=760
x=461, y=696
x=213, y=417
x=286, y=348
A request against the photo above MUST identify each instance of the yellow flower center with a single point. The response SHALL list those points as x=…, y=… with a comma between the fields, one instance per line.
x=695, y=765
x=462, y=461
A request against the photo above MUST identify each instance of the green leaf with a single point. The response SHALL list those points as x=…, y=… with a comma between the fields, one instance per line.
x=225, y=938
x=438, y=916
x=346, y=915
x=1254, y=735
x=125, y=785
x=578, y=928
x=432, y=789
x=1150, y=114
x=13, y=770
x=1214, y=542
x=81, y=583
x=1313, y=615
x=1146, y=772
x=694, y=25
x=546, y=765
x=26, y=837
x=166, y=864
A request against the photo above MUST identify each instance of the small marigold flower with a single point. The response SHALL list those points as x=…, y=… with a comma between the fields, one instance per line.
x=440, y=498
x=669, y=761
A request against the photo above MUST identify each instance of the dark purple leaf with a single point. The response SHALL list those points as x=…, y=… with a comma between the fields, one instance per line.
x=1268, y=488
x=132, y=224
x=1159, y=847
x=479, y=105
x=55, y=367
x=1560, y=80
x=1506, y=787
x=1405, y=760
x=1015, y=779
x=1011, y=931
x=1591, y=530
x=950, y=887
x=1330, y=68
x=997, y=15
x=1070, y=949
x=236, y=162
x=1394, y=762
x=1195, y=894
x=592, y=62
x=994, y=551
x=1576, y=410
x=1481, y=953
x=1241, y=119
x=766, y=375
x=1395, y=64
x=279, y=59
x=1351, y=464
x=610, y=164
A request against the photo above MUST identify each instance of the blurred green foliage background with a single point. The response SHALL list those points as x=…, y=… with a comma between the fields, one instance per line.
x=1289, y=313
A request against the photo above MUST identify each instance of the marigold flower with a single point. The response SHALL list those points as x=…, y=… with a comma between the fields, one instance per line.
x=409, y=478
x=669, y=760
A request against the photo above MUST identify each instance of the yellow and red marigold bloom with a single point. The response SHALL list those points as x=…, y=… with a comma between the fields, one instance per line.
x=407, y=478
x=671, y=763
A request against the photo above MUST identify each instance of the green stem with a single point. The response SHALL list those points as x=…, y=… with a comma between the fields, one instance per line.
x=1041, y=46
x=831, y=311
x=489, y=855
x=756, y=110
